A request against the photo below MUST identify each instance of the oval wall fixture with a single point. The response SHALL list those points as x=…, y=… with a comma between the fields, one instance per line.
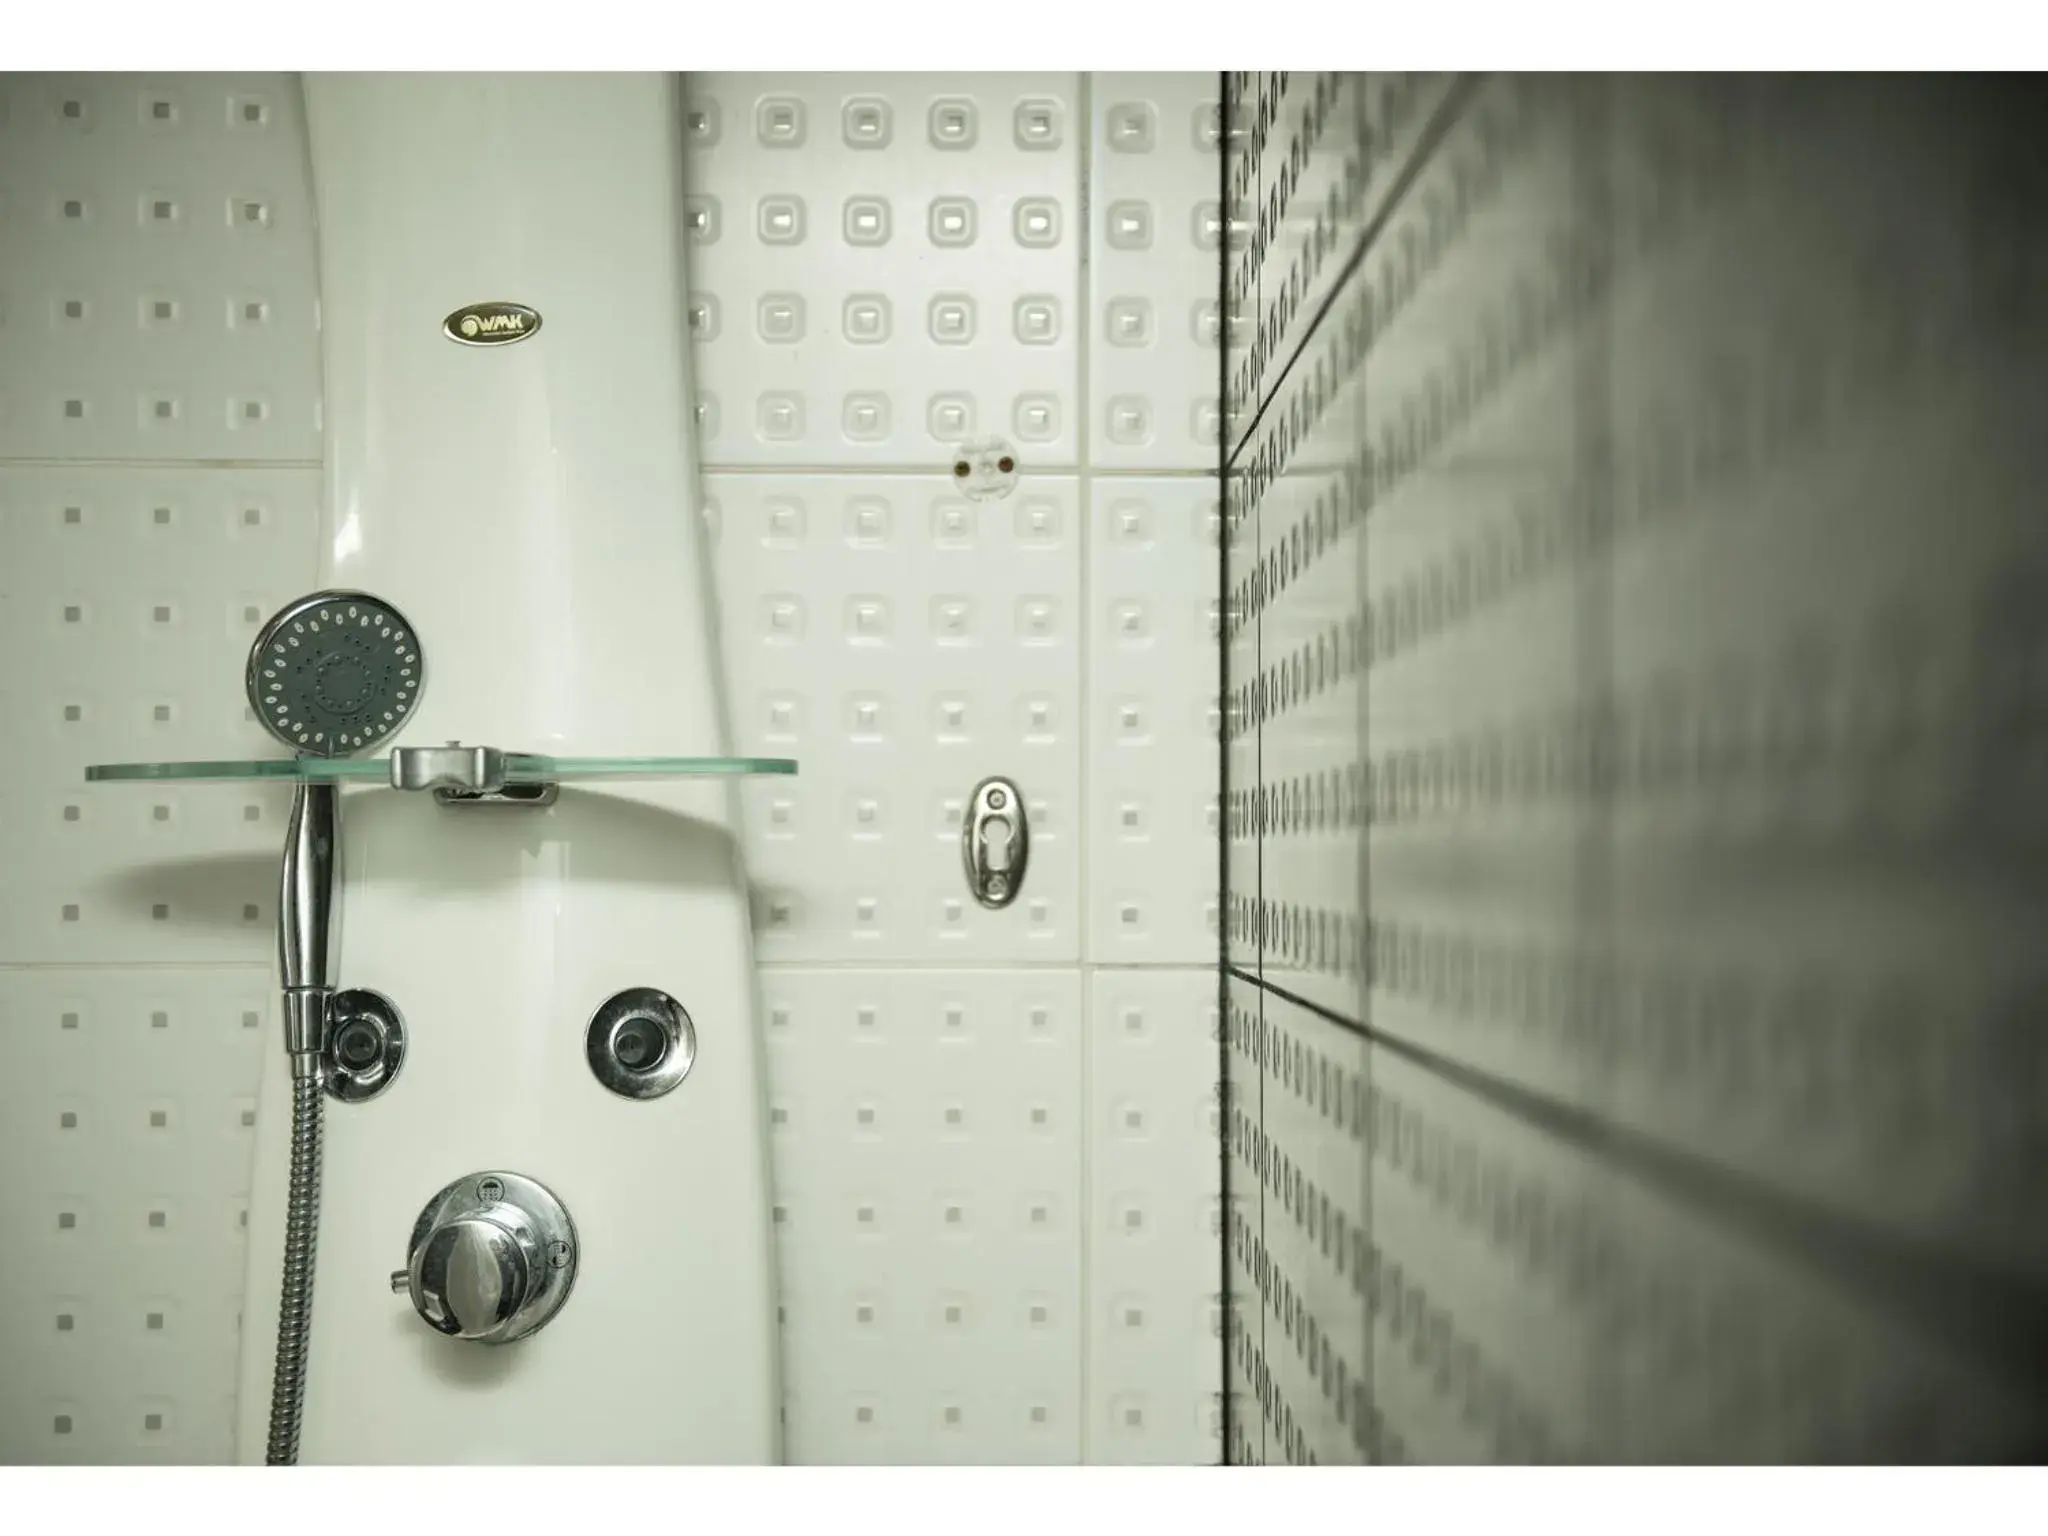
x=995, y=842
x=497, y=323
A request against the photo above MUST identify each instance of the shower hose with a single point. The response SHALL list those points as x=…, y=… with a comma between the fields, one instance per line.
x=305, y=947
x=301, y=1228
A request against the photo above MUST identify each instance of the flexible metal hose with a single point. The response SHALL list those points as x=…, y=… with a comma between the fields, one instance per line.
x=305, y=949
x=295, y=1307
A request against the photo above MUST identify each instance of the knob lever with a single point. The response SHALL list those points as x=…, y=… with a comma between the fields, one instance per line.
x=491, y=1259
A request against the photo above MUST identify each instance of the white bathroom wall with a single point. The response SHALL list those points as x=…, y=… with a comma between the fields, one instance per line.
x=994, y=1136
x=1637, y=726
x=993, y=1131
x=159, y=439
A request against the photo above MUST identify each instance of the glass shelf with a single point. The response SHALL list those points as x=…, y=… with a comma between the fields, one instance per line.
x=520, y=768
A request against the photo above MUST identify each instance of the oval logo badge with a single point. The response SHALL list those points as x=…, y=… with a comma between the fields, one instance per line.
x=495, y=324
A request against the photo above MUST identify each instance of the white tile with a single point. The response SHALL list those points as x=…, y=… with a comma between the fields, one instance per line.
x=1155, y=1279
x=1152, y=253
x=902, y=643
x=128, y=598
x=926, y=1141
x=128, y=1123
x=1152, y=722
x=885, y=266
x=157, y=294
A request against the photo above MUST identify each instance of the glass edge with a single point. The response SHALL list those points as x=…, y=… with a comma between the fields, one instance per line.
x=283, y=769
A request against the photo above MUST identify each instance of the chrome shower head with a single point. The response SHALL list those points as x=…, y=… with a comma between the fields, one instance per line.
x=335, y=673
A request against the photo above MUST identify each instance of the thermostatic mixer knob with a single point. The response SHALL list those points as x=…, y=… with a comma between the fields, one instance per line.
x=492, y=1258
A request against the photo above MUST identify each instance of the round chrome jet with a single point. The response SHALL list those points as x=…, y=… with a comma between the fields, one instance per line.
x=640, y=1043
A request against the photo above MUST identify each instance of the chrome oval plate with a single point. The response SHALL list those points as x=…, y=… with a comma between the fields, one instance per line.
x=995, y=842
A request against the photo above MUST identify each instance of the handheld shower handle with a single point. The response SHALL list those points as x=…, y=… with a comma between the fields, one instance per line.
x=305, y=916
x=305, y=931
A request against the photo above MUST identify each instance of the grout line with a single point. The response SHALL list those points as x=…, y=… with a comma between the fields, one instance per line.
x=1223, y=738
x=1084, y=547
x=1110, y=472
x=1258, y=905
x=29, y=462
x=1373, y=1440
x=1081, y=471
x=32, y=966
x=899, y=471
x=974, y=966
x=1148, y=967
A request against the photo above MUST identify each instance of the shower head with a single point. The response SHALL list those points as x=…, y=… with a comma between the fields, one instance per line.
x=335, y=673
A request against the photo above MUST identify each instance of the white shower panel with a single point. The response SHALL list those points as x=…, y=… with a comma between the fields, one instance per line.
x=524, y=507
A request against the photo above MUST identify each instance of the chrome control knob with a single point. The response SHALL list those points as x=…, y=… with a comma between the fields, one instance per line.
x=492, y=1258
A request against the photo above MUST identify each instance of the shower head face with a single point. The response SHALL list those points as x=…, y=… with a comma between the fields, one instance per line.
x=335, y=673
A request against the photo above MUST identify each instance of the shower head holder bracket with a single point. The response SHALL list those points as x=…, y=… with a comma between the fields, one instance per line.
x=460, y=775
x=473, y=770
